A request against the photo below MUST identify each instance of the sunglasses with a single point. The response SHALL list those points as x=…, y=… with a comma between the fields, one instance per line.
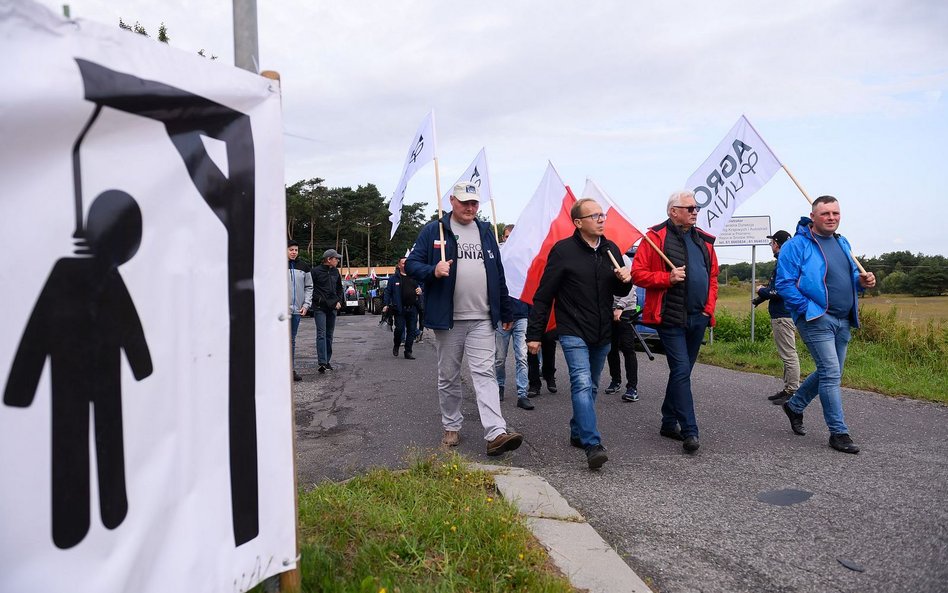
x=690, y=209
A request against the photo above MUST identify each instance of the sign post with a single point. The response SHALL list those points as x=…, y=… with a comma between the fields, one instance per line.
x=747, y=230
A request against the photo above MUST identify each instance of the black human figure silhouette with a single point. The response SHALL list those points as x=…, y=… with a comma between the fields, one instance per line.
x=82, y=320
x=186, y=118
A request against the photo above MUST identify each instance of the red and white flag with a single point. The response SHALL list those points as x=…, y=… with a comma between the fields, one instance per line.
x=475, y=174
x=740, y=165
x=544, y=221
x=618, y=228
x=421, y=150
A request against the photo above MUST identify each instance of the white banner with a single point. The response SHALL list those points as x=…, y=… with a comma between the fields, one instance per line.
x=421, y=150
x=477, y=174
x=145, y=440
x=740, y=165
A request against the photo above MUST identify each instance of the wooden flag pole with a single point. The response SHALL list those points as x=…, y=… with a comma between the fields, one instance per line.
x=613, y=258
x=862, y=270
x=440, y=211
x=493, y=212
x=658, y=251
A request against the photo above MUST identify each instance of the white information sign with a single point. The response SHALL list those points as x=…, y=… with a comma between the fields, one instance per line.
x=145, y=439
x=744, y=230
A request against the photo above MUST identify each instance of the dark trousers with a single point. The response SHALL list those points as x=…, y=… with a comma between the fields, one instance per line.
x=548, y=356
x=681, y=346
x=406, y=320
x=623, y=341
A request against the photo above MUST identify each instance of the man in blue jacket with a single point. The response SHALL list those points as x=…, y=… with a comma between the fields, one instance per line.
x=466, y=299
x=818, y=280
x=783, y=329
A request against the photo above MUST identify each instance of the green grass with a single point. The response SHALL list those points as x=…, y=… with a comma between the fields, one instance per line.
x=885, y=355
x=437, y=527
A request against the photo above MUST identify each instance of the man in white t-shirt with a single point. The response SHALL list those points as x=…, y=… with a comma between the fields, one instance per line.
x=466, y=299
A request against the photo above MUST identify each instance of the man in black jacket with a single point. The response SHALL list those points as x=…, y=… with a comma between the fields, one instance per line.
x=784, y=331
x=401, y=301
x=581, y=278
x=327, y=300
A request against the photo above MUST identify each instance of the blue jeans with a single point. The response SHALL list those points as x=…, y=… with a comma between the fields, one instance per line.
x=827, y=339
x=681, y=346
x=519, y=334
x=406, y=320
x=585, y=364
x=325, y=325
x=294, y=327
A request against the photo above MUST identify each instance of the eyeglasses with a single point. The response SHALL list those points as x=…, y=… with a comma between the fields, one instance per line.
x=690, y=209
x=598, y=217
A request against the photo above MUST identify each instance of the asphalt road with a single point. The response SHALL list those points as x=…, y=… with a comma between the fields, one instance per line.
x=683, y=523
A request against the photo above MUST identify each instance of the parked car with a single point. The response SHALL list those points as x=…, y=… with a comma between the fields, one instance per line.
x=354, y=302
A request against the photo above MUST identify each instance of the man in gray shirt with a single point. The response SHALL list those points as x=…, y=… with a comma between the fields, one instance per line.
x=466, y=299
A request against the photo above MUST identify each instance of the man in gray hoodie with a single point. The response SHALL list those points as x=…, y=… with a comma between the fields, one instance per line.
x=301, y=294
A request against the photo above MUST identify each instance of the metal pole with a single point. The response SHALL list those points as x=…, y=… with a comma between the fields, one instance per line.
x=245, y=35
x=753, y=286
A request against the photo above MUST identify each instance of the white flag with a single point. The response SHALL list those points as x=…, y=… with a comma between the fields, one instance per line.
x=740, y=165
x=421, y=150
x=477, y=175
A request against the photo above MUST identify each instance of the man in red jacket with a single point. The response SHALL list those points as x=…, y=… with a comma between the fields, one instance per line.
x=679, y=303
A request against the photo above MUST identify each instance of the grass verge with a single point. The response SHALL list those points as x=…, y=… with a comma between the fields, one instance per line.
x=437, y=527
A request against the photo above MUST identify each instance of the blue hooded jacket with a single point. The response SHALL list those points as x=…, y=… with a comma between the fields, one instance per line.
x=801, y=275
x=439, y=292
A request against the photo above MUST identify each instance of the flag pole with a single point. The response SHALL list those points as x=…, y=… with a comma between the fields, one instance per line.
x=658, y=251
x=440, y=211
x=862, y=270
x=493, y=212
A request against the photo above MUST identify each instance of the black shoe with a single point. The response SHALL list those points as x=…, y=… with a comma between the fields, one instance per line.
x=780, y=395
x=533, y=391
x=630, y=395
x=596, y=456
x=525, y=403
x=671, y=433
x=691, y=444
x=321, y=369
x=613, y=387
x=551, y=385
x=501, y=389
x=575, y=442
x=409, y=356
x=781, y=400
x=843, y=442
x=395, y=350
x=329, y=367
x=796, y=420
x=296, y=376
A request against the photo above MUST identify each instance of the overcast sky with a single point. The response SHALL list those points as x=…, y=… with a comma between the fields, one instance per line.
x=850, y=96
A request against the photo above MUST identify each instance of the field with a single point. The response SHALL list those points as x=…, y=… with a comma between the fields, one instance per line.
x=912, y=311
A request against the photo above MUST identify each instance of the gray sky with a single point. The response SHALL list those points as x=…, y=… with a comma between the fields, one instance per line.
x=849, y=95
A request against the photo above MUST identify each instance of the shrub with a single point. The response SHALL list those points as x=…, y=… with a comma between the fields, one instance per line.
x=732, y=327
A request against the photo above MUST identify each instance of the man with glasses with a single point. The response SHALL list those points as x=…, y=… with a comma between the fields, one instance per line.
x=819, y=281
x=679, y=303
x=781, y=325
x=466, y=299
x=578, y=283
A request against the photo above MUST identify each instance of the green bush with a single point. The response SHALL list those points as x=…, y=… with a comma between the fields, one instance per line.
x=925, y=345
x=732, y=327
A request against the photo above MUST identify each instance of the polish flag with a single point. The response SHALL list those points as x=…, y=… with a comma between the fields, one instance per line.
x=618, y=228
x=544, y=221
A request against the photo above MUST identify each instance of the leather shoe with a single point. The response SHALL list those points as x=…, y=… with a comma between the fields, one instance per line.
x=671, y=433
x=525, y=403
x=507, y=441
x=843, y=442
x=596, y=456
x=551, y=385
x=575, y=442
x=395, y=350
x=779, y=395
x=796, y=420
x=691, y=444
x=409, y=356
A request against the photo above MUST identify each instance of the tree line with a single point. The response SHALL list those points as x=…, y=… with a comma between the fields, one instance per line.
x=897, y=272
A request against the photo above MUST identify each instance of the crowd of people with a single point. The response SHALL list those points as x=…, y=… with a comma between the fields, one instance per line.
x=453, y=279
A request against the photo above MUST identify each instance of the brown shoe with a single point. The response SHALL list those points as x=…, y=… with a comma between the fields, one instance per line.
x=507, y=441
x=451, y=438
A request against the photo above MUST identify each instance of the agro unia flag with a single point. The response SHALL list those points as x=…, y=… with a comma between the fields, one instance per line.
x=420, y=151
x=740, y=165
x=544, y=221
x=618, y=228
x=475, y=174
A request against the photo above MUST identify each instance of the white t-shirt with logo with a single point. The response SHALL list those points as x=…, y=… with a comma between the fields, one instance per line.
x=470, y=290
